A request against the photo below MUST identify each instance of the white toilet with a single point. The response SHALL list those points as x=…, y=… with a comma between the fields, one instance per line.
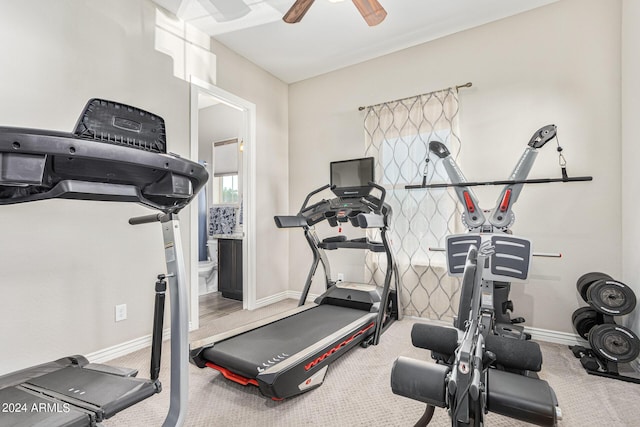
x=207, y=269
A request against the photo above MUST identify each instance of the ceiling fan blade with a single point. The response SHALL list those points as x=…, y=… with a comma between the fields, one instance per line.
x=297, y=11
x=371, y=11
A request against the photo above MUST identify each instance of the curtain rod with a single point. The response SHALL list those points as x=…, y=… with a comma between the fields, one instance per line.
x=458, y=87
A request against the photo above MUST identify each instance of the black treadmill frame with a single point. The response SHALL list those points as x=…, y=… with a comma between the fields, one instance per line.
x=110, y=158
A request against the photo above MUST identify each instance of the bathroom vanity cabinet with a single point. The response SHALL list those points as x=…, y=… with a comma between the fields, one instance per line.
x=230, y=268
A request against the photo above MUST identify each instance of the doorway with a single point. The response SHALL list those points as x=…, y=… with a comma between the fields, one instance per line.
x=222, y=125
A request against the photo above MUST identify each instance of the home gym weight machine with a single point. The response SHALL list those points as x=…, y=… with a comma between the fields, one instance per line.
x=116, y=153
x=289, y=354
x=481, y=225
x=462, y=380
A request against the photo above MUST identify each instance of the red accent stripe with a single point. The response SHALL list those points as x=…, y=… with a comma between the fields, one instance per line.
x=232, y=376
x=504, y=205
x=467, y=200
x=332, y=351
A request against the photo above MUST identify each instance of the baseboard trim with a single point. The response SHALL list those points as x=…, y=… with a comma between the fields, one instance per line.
x=537, y=334
x=119, y=350
x=263, y=302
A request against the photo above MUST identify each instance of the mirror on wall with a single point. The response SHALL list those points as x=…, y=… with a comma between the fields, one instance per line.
x=220, y=148
x=227, y=176
x=225, y=222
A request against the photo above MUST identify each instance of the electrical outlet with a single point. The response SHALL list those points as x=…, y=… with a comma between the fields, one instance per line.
x=340, y=277
x=121, y=312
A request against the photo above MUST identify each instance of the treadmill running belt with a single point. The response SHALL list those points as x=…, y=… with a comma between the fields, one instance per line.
x=109, y=392
x=25, y=409
x=244, y=353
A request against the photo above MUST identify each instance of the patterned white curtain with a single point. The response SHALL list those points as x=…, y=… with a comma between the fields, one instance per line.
x=397, y=134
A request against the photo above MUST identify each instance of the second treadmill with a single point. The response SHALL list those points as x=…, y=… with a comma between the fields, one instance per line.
x=290, y=353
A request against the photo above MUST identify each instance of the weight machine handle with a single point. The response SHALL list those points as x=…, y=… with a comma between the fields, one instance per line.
x=539, y=254
x=146, y=219
x=474, y=388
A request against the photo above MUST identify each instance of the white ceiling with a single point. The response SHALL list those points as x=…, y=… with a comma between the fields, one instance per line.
x=334, y=35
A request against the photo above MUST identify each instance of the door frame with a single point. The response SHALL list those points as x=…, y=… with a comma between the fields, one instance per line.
x=248, y=138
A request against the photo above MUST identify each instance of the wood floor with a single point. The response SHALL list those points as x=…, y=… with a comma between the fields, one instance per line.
x=214, y=305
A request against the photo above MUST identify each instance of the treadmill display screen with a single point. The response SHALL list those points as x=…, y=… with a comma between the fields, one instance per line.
x=351, y=178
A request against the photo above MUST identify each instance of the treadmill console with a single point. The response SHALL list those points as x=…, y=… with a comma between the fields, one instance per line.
x=352, y=178
x=352, y=181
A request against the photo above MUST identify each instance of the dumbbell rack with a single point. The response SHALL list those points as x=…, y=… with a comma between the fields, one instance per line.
x=596, y=323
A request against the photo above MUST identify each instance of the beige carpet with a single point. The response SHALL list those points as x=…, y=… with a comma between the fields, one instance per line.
x=356, y=391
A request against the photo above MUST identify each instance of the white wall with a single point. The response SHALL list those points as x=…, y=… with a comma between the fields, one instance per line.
x=64, y=265
x=270, y=95
x=556, y=64
x=631, y=151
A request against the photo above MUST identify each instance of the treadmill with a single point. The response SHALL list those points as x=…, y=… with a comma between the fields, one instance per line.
x=116, y=153
x=290, y=353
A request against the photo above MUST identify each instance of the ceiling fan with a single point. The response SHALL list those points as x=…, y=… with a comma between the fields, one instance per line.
x=371, y=10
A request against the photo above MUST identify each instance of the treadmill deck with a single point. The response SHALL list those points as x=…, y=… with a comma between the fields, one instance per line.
x=259, y=349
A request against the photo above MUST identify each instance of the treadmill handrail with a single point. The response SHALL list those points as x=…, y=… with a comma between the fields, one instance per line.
x=290, y=221
x=316, y=191
x=178, y=299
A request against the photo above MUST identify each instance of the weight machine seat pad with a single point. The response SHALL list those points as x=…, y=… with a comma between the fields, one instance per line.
x=31, y=410
x=111, y=393
x=245, y=353
x=524, y=398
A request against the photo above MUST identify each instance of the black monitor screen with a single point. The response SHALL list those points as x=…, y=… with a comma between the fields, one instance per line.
x=351, y=178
